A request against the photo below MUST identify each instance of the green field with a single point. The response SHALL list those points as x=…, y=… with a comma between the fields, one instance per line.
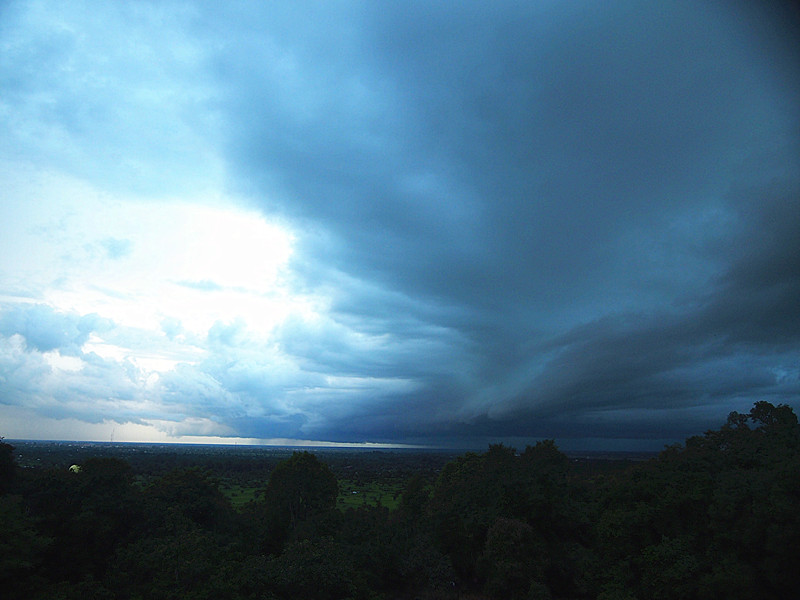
x=352, y=494
x=239, y=495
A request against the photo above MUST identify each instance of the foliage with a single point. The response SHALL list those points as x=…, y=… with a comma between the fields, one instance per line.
x=21, y=548
x=181, y=565
x=301, y=486
x=300, y=497
x=316, y=570
x=502, y=490
x=195, y=495
x=8, y=467
x=716, y=517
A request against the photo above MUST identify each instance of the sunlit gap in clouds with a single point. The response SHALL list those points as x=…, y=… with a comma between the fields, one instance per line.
x=162, y=289
x=170, y=319
x=185, y=269
x=159, y=273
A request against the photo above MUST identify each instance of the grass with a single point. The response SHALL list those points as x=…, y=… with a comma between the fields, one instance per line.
x=239, y=495
x=352, y=494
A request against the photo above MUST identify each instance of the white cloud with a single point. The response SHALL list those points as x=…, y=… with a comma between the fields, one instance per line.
x=115, y=93
x=114, y=307
x=181, y=313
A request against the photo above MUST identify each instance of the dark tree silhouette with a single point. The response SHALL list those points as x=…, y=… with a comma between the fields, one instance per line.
x=8, y=467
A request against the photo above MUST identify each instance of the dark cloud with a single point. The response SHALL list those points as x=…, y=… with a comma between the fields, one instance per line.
x=583, y=137
x=548, y=187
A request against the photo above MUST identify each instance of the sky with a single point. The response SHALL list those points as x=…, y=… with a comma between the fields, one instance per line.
x=425, y=223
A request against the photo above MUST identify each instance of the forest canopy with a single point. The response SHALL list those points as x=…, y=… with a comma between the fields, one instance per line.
x=715, y=517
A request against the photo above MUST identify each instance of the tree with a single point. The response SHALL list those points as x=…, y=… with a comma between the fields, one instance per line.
x=765, y=414
x=502, y=491
x=21, y=549
x=300, y=489
x=516, y=559
x=184, y=565
x=8, y=467
x=315, y=570
x=301, y=486
x=88, y=515
x=716, y=518
x=413, y=500
x=195, y=496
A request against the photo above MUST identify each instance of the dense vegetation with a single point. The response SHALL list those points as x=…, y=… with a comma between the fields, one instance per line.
x=715, y=518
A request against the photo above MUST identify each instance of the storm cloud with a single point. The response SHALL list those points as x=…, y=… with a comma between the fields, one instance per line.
x=506, y=221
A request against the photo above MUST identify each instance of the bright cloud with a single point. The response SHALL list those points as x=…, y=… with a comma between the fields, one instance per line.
x=111, y=297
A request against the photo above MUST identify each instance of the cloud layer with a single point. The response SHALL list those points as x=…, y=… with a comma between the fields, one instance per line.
x=405, y=222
